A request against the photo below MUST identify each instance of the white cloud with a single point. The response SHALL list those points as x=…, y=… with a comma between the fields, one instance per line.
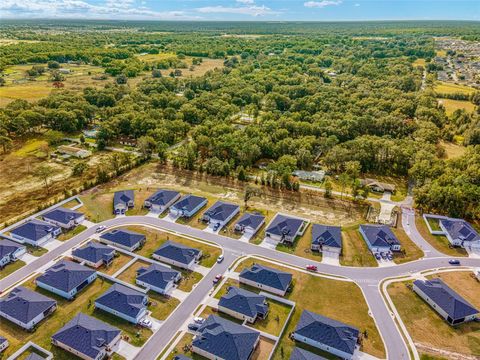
x=252, y=10
x=322, y=4
x=248, y=2
x=357, y=5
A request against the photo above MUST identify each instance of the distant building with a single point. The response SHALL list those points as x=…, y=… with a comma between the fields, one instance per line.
x=380, y=238
x=74, y=151
x=460, y=233
x=188, y=206
x=266, y=278
x=220, y=213
x=94, y=254
x=316, y=176
x=10, y=251
x=35, y=232
x=158, y=278
x=250, y=223
x=243, y=305
x=122, y=201
x=326, y=238
x=124, y=239
x=161, y=200
x=378, y=186
x=63, y=217
x=285, y=228
x=177, y=255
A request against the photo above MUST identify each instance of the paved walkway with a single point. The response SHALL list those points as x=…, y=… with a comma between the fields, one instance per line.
x=127, y=351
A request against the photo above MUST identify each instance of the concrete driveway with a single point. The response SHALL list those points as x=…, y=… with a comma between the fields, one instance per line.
x=126, y=350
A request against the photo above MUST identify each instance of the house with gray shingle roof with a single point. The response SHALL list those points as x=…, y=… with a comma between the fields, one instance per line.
x=158, y=278
x=66, y=278
x=219, y=338
x=326, y=238
x=301, y=354
x=94, y=254
x=266, y=278
x=445, y=301
x=188, y=206
x=10, y=251
x=35, y=232
x=243, y=305
x=25, y=307
x=122, y=201
x=220, y=213
x=379, y=238
x=161, y=200
x=88, y=338
x=124, y=239
x=460, y=233
x=176, y=254
x=285, y=228
x=327, y=334
x=3, y=344
x=250, y=223
x=63, y=217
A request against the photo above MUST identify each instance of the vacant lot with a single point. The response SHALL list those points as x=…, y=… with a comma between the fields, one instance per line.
x=451, y=105
x=97, y=206
x=355, y=251
x=428, y=329
x=339, y=300
x=129, y=275
x=119, y=261
x=451, y=88
x=11, y=268
x=410, y=251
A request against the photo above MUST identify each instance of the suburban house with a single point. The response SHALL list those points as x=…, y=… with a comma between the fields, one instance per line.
x=327, y=334
x=177, y=255
x=317, y=175
x=64, y=217
x=122, y=201
x=219, y=338
x=266, y=278
x=285, y=228
x=301, y=354
x=35, y=232
x=326, y=238
x=161, y=200
x=94, y=254
x=66, y=278
x=124, y=239
x=124, y=302
x=25, y=307
x=3, y=344
x=181, y=357
x=460, y=233
x=378, y=186
x=10, y=251
x=88, y=338
x=244, y=305
x=158, y=278
x=188, y=206
x=448, y=303
x=250, y=223
x=220, y=213
x=380, y=238
x=74, y=151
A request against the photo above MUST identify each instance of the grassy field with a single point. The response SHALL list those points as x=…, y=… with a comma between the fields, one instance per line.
x=419, y=62
x=439, y=242
x=336, y=297
x=11, y=268
x=67, y=310
x=453, y=150
x=411, y=251
x=97, y=207
x=428, y=329
x=71, y=233
x=355, y=251
x=129, y=275
x=451, y=105
x=451, y=88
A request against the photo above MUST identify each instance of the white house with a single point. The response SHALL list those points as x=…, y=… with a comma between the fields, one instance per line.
x=63, y=217
x=10, y=251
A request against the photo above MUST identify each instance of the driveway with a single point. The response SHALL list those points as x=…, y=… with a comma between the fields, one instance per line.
x=27, y=258
x=330, y=257
x=127, y=351
x=52, y=244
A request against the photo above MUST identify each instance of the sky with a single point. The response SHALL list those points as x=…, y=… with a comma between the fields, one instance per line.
x=243, y=10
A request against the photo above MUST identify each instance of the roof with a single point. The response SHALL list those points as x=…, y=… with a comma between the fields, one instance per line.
x=327, y=331
x=8, y=247
x=253, y=220
x=379, y=235
x=226, y=339
x=326, y=235
x=157, y=275
x=178, y=252
x=65, y=275
x=163, y=197
x=460, y=229
x=24, y=304
x=373, y=182
x=268, y=276
x=447, y=299
x=34, y=356
x=62, y=215
x=221, y=211
x=181, y=357
x=34, y=229
x=244, y=302
x=123, y=299
x=189, y=202
x=93, y=252
x=86, y=335
x=123, y=197
x=2, y=340
x=123, y=237
x=301, y=354
x=284, y=225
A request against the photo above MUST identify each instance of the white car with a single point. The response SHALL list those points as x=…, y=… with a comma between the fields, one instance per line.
x=100, y=228
x=146, y=323
x=220, y=259
x=198, y=320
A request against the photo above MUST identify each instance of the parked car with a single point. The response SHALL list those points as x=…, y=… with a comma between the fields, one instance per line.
x=383, y=255
x=193, y=327
x=100, y=228
x=377, y=256
x=390, y=256
x=216, y=226
x=220, y=259
x=217, y=278
x=198, y=320
x=454, y=262
x=145, y=323
x=312, y=268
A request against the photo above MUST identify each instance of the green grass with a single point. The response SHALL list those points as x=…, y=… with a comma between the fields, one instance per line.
x=213, y=311
x=355, y=251
x=409, y=252
x=97, y=207
x=434, y=224
x=189, y=278
x=451, y=105
x=182, y=348
x=275, y=319
x=451, y=88
x=11, y=268
x=71, y=233
x=161, y=306
x=36, y=250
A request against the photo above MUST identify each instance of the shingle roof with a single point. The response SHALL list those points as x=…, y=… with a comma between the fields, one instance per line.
x=162, y=197
x=123, y=197
x=460, y=229
x=244, y=302
x=221, y=210
x=123, y=237
x=2, y=340
x=65, y=275
x=93, y=252
x=379, y=235
x=326, y=235
x=446, y=298
x=327, y=331
x=24, y=304
x=267, y=276
x=226, y=339
x=86, y=335
x=252, y=220
x=188, y=202
x=284, y=225
x=34, y=229
x=181, y=357
x=34, y=356
x=8, y=247
x=62, y=215
x=157, y=275
x=178, y=252
x=123, y=299
x=301, y=354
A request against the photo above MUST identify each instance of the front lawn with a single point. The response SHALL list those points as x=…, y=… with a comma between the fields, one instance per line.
x=355, y=251
x=11, y=268
x=301, y=246
x=189, y=279
x=97, y=207
x=161, y=306
x=410, y=251
x=183, y=348
x=71, y=233
x=36, y=250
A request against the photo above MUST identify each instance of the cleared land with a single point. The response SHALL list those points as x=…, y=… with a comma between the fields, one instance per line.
x=451, y=105
x=355, y=251
x=452, y=150
x=119, y=261
x=451, y=88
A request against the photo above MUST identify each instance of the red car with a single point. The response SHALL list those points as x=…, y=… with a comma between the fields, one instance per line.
x=311, y=268
x=217, y=278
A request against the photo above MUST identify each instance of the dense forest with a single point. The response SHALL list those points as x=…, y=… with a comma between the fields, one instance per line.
x=338, y=96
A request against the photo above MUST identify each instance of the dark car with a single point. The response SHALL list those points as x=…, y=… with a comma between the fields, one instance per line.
x=454, y=262
x=193, y=327
x=389, y=256
x=377, y=256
